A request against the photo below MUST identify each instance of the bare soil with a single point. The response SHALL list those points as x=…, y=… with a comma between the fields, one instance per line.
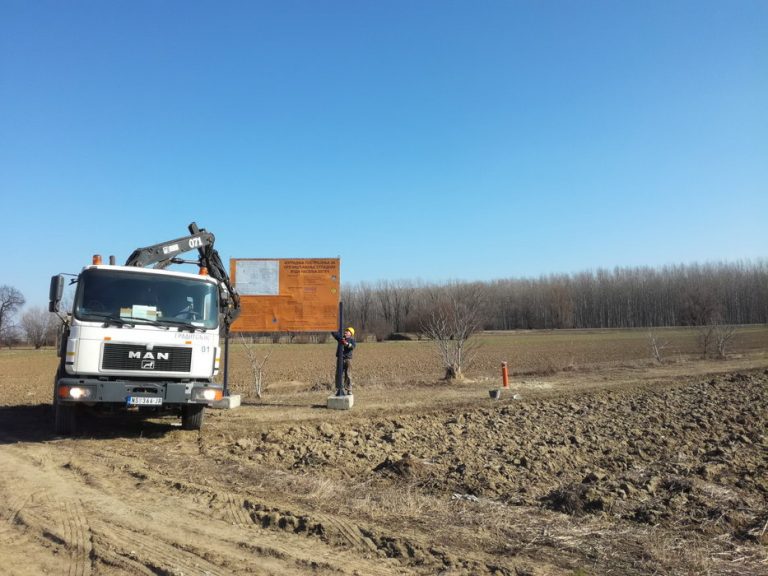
x=590, y=464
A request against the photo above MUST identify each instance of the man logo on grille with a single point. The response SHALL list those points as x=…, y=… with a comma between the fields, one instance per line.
x=147, y=364
x=149, y=355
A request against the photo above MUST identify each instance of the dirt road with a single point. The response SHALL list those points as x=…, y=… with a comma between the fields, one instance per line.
x=622, y=471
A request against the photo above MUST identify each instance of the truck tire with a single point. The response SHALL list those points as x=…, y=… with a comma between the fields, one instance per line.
x=65, y=418
x=192, y=416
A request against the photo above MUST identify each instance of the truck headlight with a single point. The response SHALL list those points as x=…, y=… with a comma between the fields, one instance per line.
x=75, y=392
x=207, y=394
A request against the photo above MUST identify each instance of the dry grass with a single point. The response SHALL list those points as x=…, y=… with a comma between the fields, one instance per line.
x=384, y=364
x=528, y=353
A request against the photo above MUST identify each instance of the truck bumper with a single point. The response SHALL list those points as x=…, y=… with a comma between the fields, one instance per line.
x=92, y=390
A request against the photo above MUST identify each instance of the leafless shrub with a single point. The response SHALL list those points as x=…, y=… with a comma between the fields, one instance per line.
x=39, y=326
x=455, y=317
x=657, y=346
x=723, y=335
x=715, y=338
x=706, y=337
x=256, y=365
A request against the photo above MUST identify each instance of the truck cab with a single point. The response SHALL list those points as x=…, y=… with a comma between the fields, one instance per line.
x=141, y=339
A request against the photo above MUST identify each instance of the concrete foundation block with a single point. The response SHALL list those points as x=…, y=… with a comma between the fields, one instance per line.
x=228, y=402
x=340, y=402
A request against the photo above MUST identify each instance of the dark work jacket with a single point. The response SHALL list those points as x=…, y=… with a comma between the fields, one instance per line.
x=348, y=347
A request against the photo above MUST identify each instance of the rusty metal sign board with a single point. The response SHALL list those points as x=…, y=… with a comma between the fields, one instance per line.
x=287, y=294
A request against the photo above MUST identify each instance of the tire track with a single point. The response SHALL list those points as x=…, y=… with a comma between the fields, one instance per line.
x=237, y=511
x=172, y=525
x=153, y=553
x=41, y=519
x=348, y=532
x=14, y=506
x=9, y=514
x=245, y=513
x=79, y=539
x=103, y=553
x=50, y=521
x=45, y=515
x=62, y=521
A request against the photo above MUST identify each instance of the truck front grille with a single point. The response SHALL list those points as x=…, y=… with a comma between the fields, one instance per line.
x=137, y=357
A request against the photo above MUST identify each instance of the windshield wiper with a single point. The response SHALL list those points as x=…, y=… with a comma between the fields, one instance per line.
x=186, y=325
x=108, y=319
x=149, y=321
x=133, y=320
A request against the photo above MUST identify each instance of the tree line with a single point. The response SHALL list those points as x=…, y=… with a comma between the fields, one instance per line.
x=631, y=297
x=35, y=325
x=683, y=295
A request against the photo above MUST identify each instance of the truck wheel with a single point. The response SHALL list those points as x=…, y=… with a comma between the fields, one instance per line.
x=192, y=416
x=65, y=419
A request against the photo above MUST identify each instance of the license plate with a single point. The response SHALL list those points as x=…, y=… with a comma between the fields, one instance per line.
x=144, y=401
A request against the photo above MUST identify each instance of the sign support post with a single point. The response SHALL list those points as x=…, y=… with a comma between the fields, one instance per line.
x=226, y=363
x=340, y=353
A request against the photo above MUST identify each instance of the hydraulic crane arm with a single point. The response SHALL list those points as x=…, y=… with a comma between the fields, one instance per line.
x=166, y=253
x=163, y=254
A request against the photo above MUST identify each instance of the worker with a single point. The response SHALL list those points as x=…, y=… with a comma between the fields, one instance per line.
x=347, y=341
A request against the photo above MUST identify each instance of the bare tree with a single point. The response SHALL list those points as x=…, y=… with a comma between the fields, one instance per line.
x=10, y=336
x=657, y=346
x=39, y=326
x=11, y=300
x=454, y=319
x=359, y=305
x=256, y=365
x=395, y=302
x=723, y=334
x=385, y=293
x=366, y=305
x=706, y=337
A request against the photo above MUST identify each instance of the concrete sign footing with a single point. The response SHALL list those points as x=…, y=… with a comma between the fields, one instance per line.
x=228, y=402
x=340, y=402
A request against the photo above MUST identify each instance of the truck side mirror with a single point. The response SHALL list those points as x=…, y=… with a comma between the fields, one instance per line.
x=55, y=293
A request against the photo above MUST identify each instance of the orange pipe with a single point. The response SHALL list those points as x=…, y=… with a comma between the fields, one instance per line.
x=504, y=374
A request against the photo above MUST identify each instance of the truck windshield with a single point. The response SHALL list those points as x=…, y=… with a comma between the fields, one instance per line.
x=133, y=297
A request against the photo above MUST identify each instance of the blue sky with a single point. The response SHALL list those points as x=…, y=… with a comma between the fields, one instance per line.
x=429, y=140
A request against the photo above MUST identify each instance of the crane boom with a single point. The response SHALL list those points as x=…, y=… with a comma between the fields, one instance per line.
x=166, y=253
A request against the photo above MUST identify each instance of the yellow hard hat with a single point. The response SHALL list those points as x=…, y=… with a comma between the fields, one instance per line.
x=351, y=330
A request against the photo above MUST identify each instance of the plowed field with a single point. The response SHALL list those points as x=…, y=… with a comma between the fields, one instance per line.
x=596, y=461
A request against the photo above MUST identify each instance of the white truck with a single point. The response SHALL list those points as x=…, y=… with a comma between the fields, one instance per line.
x=144, y=339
